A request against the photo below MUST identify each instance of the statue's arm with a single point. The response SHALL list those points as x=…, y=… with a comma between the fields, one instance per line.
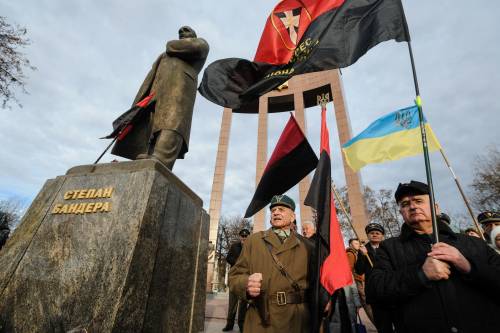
x=188, y=48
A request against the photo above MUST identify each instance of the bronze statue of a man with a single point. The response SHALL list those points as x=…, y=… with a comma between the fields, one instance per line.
x=164, y=133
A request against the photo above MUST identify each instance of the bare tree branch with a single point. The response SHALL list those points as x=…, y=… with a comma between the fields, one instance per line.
x=12, y=62
x=486, y=183
x=381, y=208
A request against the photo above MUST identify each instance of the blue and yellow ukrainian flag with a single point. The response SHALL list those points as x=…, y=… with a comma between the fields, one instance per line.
x=389, y=138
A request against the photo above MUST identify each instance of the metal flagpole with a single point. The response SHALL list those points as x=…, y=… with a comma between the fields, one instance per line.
x=469, y=208
x=425, y=146
x=317, y=312
x=145, y=102
x=105, y=150
x=344, y=210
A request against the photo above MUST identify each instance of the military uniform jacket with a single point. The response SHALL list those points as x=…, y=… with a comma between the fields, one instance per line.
x=174, y=80
x=294, y=254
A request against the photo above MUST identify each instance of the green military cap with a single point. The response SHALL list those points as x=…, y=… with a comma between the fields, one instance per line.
x=282, y=200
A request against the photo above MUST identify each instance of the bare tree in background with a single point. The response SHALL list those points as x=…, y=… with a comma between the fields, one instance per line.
x=13, y=209
x=12, y=61
x=229, y=228
x=228, y=233
x=460, y=222
x=10, y=215
x=486, y=183
x=345, y=226
x=381, y=208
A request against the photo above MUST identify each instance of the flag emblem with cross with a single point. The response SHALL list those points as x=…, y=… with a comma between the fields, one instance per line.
x=291, y=20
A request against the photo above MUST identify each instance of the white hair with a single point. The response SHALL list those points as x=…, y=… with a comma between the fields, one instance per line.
x=311, y=223
x=493, y=234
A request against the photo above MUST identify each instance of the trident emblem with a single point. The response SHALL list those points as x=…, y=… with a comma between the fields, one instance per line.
x=323, y=99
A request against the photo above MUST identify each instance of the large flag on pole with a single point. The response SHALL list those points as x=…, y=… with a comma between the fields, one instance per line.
x=389, y=138
x=334, y=270
x=303, y=36
x=292, y=160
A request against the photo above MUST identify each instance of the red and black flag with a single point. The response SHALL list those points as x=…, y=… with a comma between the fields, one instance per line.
x=332, y=264
x=292, y=160
x=125, y=122
x=303, y=36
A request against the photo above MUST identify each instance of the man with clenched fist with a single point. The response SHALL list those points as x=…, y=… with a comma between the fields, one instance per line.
x=272, y=274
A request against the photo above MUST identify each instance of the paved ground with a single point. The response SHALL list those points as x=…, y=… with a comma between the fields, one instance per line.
x=215, y=313
x=216, y=310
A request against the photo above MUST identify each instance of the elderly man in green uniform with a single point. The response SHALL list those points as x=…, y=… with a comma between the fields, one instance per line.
x=163, y=135
x=272, y=274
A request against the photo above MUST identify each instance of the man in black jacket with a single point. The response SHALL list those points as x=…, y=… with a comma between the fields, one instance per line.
x=364, y=265
x=450, y=286
x=234, y=303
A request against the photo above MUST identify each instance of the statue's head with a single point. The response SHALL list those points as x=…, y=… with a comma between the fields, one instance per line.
x=186, y=32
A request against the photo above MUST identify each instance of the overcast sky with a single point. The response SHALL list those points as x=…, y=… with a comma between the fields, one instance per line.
x=92, y=57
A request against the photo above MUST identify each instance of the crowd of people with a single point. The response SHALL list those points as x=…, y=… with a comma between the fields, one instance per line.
x=408, y=283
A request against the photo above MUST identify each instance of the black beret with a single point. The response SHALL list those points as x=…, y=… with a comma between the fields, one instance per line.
x=374, y=227
x=488, y=217
x=445, y=218
x=282, y=200
x=411, y=188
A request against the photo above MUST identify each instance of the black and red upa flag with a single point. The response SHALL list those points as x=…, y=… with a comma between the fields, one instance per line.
x=292, y=160
x=332, y=264
x=303, y=36
x=126, y=121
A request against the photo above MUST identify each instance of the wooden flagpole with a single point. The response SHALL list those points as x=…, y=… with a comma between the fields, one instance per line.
x=469, y=208
x=344, y=210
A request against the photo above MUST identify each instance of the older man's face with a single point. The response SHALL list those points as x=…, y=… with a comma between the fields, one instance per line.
x=487, y=227
x=416, y=212
x=308, y=230
x=375, y=236
x=282, y=217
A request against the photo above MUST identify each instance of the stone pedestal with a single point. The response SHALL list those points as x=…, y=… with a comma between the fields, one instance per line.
x=117, y=247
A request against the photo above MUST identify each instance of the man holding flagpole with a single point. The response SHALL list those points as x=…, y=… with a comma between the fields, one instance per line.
x=449, y=286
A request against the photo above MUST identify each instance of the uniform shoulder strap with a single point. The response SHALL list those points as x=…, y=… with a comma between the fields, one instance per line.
x=281, y=267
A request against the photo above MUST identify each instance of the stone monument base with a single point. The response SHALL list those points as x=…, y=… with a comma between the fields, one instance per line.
x=119, y=247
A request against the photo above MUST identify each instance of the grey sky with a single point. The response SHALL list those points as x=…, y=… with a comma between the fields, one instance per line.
x=93, y=55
